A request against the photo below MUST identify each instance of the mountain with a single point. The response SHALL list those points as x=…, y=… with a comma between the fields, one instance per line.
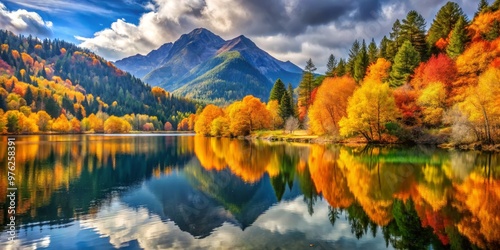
x=204, y=66
x=140, y=65
x=60, y=78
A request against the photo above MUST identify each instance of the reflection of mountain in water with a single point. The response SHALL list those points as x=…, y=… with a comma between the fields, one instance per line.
x=200, y=200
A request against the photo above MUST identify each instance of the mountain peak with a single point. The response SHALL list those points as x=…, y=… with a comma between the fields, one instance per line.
x=238, y=43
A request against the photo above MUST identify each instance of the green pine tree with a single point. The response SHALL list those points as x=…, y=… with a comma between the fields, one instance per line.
x=285, y=110
x=443, y=24
x=361, y=63
x=372, y=52
x=383, y=48
x=481, y=8
x=406, y=60
x=494, y=31
x=277, y=91
x=292, y=102
x=395, y=41
x=413, y=29
x=331, y=65
x=306, y=85
x=341, y=68
x=28, y=96
x=495, y=6
x=353, y=54
x=458, y=39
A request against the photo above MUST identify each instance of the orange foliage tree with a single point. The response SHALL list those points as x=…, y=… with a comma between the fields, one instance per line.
x=248, y=115
x=439, y=68
x=209, y=113
x=330, y=104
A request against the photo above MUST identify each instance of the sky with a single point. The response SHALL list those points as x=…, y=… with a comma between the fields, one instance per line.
x=294, y=30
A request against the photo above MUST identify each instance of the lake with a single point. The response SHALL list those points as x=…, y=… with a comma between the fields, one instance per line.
x=190, y=192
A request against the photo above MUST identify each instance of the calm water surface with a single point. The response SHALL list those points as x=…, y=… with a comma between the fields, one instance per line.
x=187, y=192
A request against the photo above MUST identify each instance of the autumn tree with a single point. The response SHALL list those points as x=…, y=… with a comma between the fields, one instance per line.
x=96, y=123
x=306, y=85
x=168, y=126
x=407, y=59
x=370, y=108
x=118, y=125
x=205, y=118
x=274, y=110
x=330, y=105
x=220, y=126
x=432, y=100
x=148, y=126
x=379, y=71
x=61, y=124
x=75, y=125
x=482, y=105
x=440, y=68
x=277, y=91
x=183, y=125
x=248, y=115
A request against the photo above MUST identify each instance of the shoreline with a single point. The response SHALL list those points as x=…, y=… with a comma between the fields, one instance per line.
x=475, y=146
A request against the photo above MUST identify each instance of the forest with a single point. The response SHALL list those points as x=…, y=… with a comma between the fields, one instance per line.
x=416, y=86
x=52, y=85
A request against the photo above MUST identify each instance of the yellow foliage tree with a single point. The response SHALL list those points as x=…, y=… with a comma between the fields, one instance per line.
x=432, y=100
x=330, y=104
x=96, y=123
x=220, y=126
x=370, y=108
x=273, y=107
x=61, y=124
x=116, y=125
x=75, y=125
x=482, y=104
x=43, y=120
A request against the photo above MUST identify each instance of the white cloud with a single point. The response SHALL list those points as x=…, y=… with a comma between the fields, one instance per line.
x=285, y=225
x=24, y=22
x=288, y=30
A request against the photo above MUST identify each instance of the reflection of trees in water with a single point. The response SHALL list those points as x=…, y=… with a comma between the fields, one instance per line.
x=418, y=196
x=71, y=176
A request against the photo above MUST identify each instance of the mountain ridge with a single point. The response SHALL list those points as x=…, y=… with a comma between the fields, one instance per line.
x=173, y=71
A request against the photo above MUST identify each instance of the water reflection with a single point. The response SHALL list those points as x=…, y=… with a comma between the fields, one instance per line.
x=196, y=192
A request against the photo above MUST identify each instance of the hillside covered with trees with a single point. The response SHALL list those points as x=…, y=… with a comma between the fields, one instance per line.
x=417, y=85
x=52, y=85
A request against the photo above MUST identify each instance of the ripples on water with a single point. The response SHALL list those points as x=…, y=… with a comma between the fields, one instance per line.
x=187, y=192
